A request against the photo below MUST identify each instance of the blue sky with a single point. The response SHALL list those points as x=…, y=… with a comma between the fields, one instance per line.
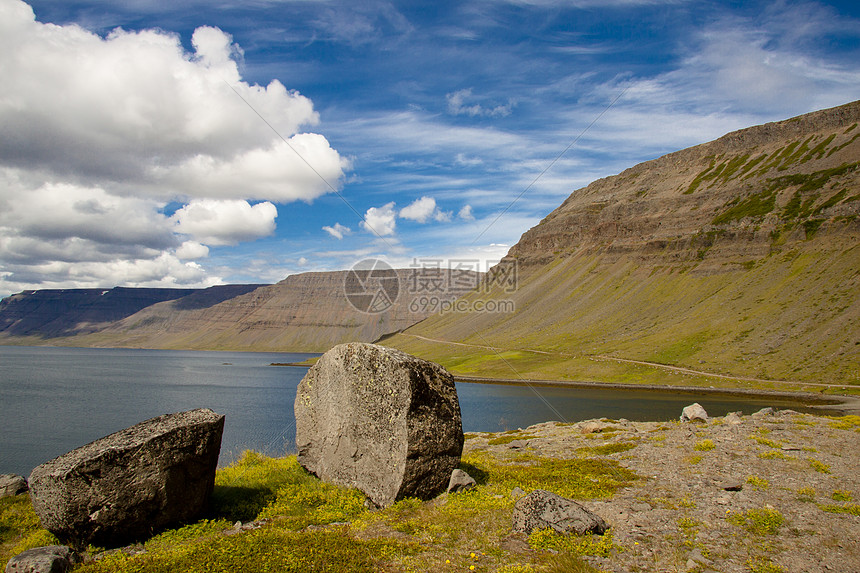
x=152, y=143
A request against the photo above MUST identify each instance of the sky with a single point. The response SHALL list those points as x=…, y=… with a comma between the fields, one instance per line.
x=187, y=144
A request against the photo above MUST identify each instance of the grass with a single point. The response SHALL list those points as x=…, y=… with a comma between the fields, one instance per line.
x=758, y=483
x=764, y=521
x=607, y=449
x=704, y=445
x=304, y=524
x=764, y=565
x=20, y=528
x=819, y=466
x=850, y=508
x=509, y=437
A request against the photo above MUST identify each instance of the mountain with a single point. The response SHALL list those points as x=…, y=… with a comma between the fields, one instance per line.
x=69, y=312
x=309, y=312
x=738, y=258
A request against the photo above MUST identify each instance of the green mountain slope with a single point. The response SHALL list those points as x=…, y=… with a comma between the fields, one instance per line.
x=739, y=258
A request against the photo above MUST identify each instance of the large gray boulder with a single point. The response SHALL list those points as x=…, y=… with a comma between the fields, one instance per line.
x=542, y=509
x=379, y=420
x=48, y=559
x=132, y=483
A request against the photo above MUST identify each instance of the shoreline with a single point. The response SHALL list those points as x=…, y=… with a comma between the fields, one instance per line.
x=836, y=402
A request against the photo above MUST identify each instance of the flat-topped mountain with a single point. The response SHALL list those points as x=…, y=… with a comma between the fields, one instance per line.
x=738, y=257
x=52, y=313
x=308, y=312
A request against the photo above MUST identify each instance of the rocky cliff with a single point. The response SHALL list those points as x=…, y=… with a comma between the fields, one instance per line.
x=738, y=257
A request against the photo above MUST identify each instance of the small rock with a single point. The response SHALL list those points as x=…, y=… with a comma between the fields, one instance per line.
x=460, y=481
x=696, y=555
x=732, y=486
x=541, y=509
x=49, y=559
x=764, y=412
x=11, y=484
x=595, y=426
x=733, y=418
x=694, y=413
x=517, y=492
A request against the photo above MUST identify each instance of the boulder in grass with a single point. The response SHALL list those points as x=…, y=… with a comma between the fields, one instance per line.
x=11, y=484
x=48, y=559
x=130, y=484
x=379, y=420
x=460, y=481
x=543, y=509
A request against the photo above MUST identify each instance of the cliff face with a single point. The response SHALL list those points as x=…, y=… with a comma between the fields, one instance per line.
x=740, y=256
x=729, y=199
x=307, y=312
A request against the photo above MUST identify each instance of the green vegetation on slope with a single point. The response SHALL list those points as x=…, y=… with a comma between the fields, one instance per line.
x=790, y=316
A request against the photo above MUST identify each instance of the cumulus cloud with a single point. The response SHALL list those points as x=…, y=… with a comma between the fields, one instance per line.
x=466, y=213
x=218, y=222
x=101, y=133
x=459, y=104
x=424, y=209
x=338, y=231
x=192, y=250
x=380, y=221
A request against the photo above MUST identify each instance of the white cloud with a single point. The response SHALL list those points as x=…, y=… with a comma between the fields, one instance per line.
x=338, y=231
x=458, y=105
x=466, y=213
x=424, y=209
x=217, y=222
x=380, y=221
x=192, y=250
x=100, y=133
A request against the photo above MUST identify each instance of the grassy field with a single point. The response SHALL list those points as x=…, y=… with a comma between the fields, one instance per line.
x=303, y=524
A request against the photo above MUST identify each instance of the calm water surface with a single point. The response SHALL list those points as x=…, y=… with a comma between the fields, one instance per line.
x=53, y=400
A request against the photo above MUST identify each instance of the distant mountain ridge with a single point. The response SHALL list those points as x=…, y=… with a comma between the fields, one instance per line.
x=52, y=313
x=307, y=312
x=738, y=257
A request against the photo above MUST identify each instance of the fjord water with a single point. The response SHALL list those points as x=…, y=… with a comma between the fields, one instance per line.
x=53, y=400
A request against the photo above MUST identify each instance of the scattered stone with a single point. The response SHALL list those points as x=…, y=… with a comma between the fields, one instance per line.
x=765, y=412
x=460, y=481
x=49, y=559
x=379, y=420
x=11, y=484
x=596, y=426
x=541, y=509
x=128, y=485
x=694, y=413
x=733, y=418
x=514, y=543
x=732, y=486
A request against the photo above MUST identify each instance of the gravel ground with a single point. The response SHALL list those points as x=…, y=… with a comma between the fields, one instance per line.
x=770, y=492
